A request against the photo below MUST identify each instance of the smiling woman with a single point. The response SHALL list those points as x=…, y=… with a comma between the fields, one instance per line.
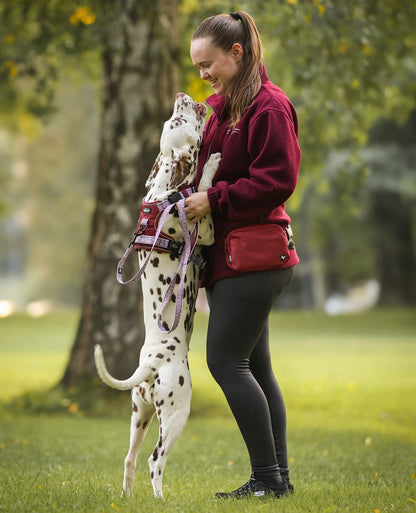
x=254, y=127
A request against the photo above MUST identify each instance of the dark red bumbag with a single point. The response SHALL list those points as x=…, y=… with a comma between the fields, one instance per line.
x=257, y=247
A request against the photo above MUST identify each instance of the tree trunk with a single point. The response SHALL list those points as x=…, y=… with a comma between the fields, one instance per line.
x=140, y=60
x=395, y=248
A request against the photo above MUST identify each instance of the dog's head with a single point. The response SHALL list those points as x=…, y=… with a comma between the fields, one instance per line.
x=180, y=141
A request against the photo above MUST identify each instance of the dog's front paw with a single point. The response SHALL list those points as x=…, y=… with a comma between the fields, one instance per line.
x=209, y=170
x=213, y=162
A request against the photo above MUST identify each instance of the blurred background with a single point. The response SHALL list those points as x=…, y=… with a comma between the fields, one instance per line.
x=349, y=69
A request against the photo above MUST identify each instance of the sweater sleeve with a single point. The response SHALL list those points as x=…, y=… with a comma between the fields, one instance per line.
x=272, y=175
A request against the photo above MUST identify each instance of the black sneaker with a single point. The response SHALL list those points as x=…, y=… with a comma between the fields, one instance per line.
x=253, y=488
x=289, y=485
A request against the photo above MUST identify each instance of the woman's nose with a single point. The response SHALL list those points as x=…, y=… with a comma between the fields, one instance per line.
x=203, y=73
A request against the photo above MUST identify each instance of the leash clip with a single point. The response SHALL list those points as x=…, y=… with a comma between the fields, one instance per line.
x=175, y=197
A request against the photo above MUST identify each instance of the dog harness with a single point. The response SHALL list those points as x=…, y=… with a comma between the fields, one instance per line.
x=145, y=234
x=149, y=236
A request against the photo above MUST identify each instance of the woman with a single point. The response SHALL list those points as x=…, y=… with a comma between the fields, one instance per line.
x=255, y=128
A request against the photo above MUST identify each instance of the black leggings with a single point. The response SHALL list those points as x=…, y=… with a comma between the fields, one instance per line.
x=238, y=357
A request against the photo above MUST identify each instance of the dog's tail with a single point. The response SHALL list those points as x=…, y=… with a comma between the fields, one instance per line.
x=141, y=374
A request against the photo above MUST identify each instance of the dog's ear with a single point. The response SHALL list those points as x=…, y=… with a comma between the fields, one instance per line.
x=153, y=173
x=182, y=170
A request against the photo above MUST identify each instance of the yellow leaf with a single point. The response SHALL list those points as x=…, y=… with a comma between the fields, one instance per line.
x=292, y=1
x=366, y=49
x=114, y=506
x=13, y=71
x=74, y=408
x=412, y=500
x=83, y=15
x=368, y=440
x=342, y=48
x=376, y=510
x=412, y=476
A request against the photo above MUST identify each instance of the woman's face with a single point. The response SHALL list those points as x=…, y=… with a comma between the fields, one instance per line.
x=215, y=66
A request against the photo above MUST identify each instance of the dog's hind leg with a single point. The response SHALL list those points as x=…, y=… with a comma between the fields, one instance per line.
x=171, y=426
x=141, y=417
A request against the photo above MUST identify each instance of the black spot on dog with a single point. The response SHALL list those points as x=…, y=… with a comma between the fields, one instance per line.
x=181, y=380
x=144, y=424
x=170, y=394
x=155, y=454
x=160, y=355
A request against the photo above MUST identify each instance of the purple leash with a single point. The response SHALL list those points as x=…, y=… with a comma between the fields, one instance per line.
x=182, y=266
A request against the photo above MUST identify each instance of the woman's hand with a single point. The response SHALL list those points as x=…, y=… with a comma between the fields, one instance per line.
x=197, y=206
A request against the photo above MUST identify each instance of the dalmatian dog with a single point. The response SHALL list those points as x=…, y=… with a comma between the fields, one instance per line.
x=162, y=382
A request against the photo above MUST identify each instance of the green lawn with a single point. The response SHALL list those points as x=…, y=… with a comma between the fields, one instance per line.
x=350, y=388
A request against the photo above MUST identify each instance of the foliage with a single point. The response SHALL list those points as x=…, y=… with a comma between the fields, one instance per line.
x=36, y=38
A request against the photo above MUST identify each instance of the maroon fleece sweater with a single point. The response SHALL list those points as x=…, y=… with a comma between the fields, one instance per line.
x=258, y=170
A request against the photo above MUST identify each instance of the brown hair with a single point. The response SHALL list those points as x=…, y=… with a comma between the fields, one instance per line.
x=225, y=30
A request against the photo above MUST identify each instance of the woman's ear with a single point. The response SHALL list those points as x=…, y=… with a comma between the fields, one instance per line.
x=237, y=52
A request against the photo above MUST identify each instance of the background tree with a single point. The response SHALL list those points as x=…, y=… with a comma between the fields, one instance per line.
x=140, y=59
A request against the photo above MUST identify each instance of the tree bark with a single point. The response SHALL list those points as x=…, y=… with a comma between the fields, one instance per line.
x=141, y=60
x=395, y=244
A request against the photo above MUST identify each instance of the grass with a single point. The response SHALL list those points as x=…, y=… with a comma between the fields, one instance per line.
x=350, y=388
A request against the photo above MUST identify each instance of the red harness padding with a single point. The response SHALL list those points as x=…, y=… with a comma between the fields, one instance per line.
x=147, y=227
